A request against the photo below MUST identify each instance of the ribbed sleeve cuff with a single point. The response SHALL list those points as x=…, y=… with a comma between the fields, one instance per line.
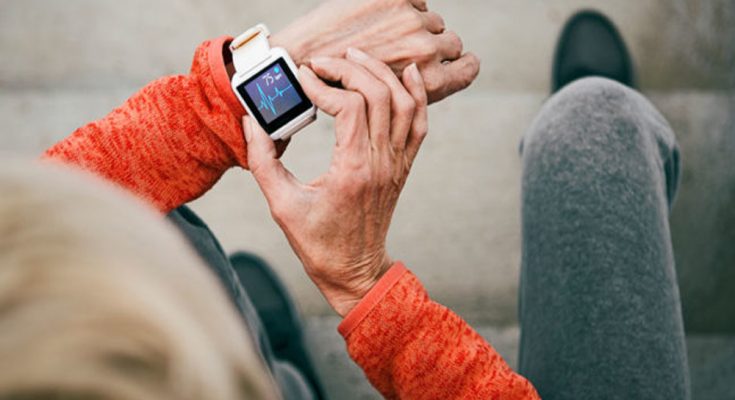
x=220, y=76
x=372, y=299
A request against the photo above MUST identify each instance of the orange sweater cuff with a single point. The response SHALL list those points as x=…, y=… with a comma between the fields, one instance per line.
x=371, y=299
x=221, y=77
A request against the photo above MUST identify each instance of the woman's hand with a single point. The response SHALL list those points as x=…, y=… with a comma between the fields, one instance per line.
x=397, y=32
x=338, y=224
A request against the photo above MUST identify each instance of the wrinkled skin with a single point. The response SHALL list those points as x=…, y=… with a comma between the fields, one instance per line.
x=338, y=223
x=396, y=32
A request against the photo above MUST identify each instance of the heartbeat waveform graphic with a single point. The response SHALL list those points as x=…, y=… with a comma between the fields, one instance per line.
x=267, y=101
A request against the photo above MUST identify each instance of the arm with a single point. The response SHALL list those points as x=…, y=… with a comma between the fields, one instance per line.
x=409, y=346
x=174, y=139
x=171, y=141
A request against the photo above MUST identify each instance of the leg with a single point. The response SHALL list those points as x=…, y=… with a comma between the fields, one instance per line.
x=599, y=302
x=292, y=383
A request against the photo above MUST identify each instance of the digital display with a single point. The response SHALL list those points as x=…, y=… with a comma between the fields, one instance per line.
x=273, y=93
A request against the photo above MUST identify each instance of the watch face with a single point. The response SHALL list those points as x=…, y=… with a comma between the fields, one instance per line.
x=274, y=96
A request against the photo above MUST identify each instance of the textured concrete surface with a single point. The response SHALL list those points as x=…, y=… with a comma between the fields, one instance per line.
x=457, y=225
x=712, y=364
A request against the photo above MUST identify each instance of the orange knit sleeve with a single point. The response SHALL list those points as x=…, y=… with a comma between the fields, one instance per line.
x=413, y=348
x=170, y=142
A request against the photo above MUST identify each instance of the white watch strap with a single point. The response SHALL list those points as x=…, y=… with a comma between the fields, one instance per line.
x=250, y=48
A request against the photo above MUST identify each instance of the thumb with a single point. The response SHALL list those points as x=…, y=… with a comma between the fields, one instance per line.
x=275, y=181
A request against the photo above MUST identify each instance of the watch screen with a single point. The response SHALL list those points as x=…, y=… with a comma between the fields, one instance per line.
x=274, y=96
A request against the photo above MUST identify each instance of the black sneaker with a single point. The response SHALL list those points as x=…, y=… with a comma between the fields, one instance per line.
x=277, y=311
x=590, y=45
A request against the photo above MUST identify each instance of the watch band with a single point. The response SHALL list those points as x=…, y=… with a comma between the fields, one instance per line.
x=250, y=48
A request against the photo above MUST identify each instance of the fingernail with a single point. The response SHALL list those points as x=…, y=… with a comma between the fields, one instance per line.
x=302, y=70
x=357, y=55
x=319, y=61
x=306, y=69
x=413, y=70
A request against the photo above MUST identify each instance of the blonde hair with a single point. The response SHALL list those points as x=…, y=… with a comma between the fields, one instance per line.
x=101, y=299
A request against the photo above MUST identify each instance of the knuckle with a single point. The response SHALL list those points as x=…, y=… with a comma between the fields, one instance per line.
x=420, y=130
x=383, y=70
x=427, y=46
x=279, y=212
x=436, y=20
x=440, y=21
x=432, y=47
x=405, y=106
x=414, y=21
x=388, y=176
x=455, y=41
x=384, y=179
x=360, y=181
x=434, y=81
x=379, y=93
x=354, y=101
x=321, y=97
x=420, y=4
x=365, y=178
x=471, y=69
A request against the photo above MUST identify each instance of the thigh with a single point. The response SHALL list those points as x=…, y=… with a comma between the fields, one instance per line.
x=291, y=382
x=599, y=303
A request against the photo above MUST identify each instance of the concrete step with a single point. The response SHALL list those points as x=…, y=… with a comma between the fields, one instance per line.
x=457, y=225
x=711, y=360
x=104, y=43
x=680, y=44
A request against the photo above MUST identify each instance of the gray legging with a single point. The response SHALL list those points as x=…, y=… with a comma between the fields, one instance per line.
x=599, y=303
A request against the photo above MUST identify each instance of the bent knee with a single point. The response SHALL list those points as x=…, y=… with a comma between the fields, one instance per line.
x=593, y=112
x=594, y=89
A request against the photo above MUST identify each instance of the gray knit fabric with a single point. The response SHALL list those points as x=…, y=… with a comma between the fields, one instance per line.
x=599, y=303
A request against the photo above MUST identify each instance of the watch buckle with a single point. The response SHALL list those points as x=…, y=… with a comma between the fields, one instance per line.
x=249, y=35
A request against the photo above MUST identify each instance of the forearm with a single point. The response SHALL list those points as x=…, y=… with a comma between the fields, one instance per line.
x=171, y=141
x=412, y=347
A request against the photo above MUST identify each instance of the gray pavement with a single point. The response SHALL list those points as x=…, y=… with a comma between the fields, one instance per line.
x=457, y=226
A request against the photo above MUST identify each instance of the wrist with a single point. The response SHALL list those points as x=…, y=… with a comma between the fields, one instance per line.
x=295, y=41
x=294, y=44
x=348, y=289
x=314, y=34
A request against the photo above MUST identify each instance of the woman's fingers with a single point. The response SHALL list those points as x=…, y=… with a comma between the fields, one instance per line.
x=356, y=78
x=446, y=78
x=402, y=103
x=275, y=181
x=415, y=84
x=433, y=22
x=348, y=108
x=420, y=5
x=326, y=98
x=450, y=46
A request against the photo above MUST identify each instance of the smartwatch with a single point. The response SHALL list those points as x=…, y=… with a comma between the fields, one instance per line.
x=266, y=83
